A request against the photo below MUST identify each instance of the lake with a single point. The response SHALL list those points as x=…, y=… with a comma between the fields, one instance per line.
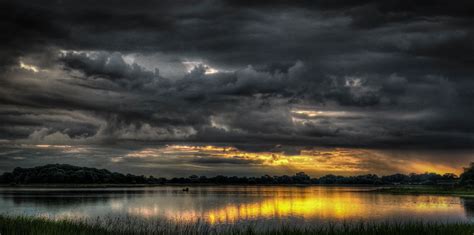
x=236, y=204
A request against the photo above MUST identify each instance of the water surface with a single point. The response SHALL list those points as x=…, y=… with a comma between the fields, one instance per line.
x=232, y=204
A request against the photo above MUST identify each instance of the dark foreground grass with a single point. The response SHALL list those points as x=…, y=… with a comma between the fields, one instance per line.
x=35, y=225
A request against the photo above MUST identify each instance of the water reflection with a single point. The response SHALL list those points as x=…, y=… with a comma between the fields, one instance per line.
x=233, y=204
x=468, y=205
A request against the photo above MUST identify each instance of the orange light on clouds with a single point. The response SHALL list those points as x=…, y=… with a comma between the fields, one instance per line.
x=313, y=161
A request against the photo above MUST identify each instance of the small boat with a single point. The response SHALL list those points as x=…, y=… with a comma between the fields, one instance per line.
x=185, y=189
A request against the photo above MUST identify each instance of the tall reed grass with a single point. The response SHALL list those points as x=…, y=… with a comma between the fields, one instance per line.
x=17, y=225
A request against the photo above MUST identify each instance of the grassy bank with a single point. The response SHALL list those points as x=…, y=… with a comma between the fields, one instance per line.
x=31, y=225
x=434, y=190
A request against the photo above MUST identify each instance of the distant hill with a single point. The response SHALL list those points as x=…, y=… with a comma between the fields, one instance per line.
x=68, y=174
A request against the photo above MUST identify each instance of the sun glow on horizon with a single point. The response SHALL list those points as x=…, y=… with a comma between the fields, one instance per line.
x=313, y=161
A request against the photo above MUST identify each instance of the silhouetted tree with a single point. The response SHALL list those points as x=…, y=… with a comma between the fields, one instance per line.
x=467, y=177
x=395, y=179
x=67, y=174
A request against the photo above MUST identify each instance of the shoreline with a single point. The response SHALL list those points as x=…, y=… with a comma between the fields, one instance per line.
x=175, y=185
x=385, y=189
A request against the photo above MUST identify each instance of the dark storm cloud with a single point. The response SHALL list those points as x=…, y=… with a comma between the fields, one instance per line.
x=233, y=160
x=109, y=66
x=336, y=73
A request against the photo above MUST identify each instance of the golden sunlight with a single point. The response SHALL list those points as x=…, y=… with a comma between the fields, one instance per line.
x=313, y=161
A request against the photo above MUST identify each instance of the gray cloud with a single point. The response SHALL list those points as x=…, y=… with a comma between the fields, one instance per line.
x=332, y=73
x=234, y=160
x=109, y=66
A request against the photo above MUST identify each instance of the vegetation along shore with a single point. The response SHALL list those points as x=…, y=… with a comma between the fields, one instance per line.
x=33, y=225
x=63, y=174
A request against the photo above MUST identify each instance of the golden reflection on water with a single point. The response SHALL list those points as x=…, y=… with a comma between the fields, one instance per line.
x=308, y=207
x=307, y=203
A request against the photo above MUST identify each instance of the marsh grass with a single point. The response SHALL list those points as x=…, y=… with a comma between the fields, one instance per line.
x=118, y=226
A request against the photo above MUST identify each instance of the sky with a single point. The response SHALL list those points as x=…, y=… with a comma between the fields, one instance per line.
x=238, y=87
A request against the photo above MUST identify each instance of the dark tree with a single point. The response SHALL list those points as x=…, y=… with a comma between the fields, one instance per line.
x=67, y=174
x=467, y=177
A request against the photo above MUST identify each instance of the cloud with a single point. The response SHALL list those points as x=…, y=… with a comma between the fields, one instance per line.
x=110, y=66
x=46, y=136
x=381, y=73
x=184, y=160
x=147, y=132
x=233, y=160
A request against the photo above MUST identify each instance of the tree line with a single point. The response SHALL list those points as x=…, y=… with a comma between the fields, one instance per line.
x=68, y=174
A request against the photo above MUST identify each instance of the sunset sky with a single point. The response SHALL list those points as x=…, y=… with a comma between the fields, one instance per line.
x=238, y=87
